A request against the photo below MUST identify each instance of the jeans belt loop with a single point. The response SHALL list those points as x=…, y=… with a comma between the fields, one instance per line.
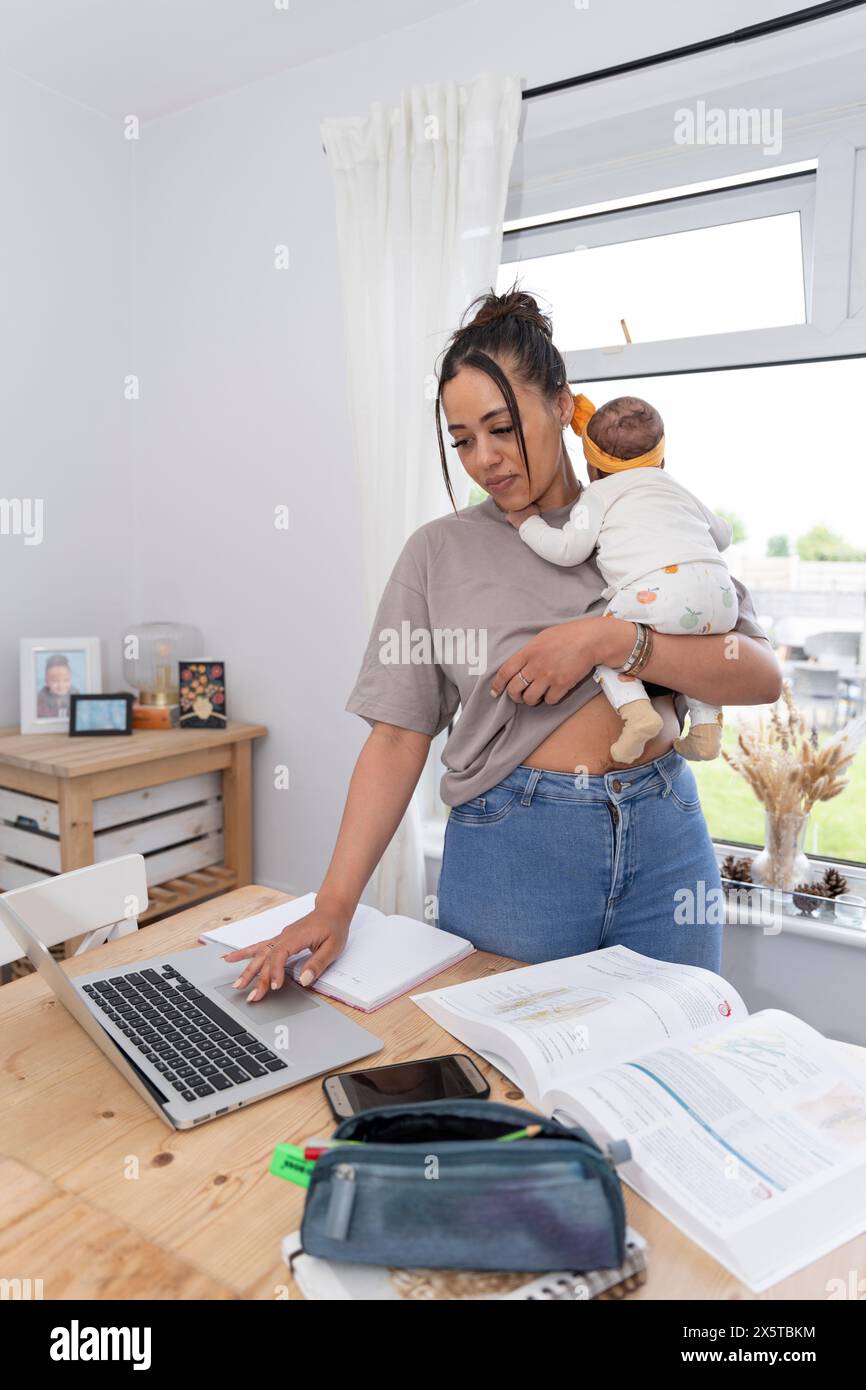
x=526, y=798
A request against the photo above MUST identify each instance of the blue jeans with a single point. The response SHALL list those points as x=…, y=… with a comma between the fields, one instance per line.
x=545, y=865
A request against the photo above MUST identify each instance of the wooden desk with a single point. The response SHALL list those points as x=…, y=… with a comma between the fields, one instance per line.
x=100, y=1200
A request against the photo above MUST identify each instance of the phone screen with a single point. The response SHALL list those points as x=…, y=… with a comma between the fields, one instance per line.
x=432, y=1078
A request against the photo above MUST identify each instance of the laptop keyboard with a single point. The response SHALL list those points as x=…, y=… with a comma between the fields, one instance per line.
x=199, y=1048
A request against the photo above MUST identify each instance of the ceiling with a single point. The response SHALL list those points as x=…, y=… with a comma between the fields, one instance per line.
x=151, y=57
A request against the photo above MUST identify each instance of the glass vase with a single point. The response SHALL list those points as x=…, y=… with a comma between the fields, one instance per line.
x=782, y=862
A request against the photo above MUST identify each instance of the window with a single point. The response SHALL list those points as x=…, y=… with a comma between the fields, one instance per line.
x=778, y=450
x=728, y=261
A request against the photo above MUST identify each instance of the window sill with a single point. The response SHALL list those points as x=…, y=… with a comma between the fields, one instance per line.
x=771, y=920
x=771, y=923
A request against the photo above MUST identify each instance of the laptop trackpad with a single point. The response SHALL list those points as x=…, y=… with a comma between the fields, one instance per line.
x=276, y=1006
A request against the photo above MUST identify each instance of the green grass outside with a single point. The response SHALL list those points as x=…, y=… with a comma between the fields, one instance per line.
x=836, y=830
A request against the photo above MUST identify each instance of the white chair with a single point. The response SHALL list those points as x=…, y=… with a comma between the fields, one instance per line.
x=101, y=902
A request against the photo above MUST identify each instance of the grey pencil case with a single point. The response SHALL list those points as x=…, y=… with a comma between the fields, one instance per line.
x=430, y=1186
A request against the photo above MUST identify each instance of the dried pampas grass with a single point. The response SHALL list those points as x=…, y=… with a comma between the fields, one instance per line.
x=784, y=764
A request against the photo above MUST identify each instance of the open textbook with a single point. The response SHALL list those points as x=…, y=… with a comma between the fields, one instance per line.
x=384, y=956
x=749, y=1133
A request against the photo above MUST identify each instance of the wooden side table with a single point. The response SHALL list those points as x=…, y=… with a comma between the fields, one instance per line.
x=181, y=797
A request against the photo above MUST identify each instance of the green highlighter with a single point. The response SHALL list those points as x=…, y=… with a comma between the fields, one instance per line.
x=288, y=1162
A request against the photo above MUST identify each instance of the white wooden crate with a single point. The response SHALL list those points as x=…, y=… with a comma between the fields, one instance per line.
x=177, y=826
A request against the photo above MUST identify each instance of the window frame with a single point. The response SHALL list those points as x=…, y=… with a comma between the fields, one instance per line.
x=752, y=200
x=832, y=228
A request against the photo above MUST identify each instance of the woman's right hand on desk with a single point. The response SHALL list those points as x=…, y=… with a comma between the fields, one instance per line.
x=322, y=931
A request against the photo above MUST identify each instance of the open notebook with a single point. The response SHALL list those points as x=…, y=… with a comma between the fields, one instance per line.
x=749, y=1133
x=384, y=956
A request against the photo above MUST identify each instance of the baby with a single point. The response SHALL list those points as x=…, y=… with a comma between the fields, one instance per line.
x=657, y=547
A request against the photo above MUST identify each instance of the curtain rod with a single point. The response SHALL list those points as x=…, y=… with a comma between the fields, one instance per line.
x=751, y=31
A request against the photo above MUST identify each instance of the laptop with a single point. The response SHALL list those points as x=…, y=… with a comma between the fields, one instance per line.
x=184, y=1040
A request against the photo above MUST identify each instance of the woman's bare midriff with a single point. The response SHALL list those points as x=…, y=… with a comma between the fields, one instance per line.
x=583, y=740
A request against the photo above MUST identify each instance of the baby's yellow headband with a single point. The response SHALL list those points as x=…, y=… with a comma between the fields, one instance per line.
x=607, y=463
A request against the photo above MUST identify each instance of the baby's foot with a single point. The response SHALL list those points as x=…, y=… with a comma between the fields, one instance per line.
x=640, y=723
x=702, y=743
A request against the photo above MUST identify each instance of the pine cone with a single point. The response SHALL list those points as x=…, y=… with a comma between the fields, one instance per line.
x=736, y=870
x=834, y=882
x=807, y=896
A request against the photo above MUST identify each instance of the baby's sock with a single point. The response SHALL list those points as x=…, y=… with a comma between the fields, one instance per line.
x=640, y=723
x=701, y=744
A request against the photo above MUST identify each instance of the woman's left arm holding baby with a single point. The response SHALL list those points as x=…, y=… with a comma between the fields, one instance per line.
x=730, y=669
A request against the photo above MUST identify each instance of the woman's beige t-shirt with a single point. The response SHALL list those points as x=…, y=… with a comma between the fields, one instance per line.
x=464, y=595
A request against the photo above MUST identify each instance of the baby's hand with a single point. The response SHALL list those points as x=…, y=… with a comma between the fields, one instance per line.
x=518, y=518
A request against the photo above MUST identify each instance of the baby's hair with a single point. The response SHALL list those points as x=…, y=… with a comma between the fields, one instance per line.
x=626, y=427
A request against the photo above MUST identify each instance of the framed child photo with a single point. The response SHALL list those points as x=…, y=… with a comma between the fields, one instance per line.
x=52, y=670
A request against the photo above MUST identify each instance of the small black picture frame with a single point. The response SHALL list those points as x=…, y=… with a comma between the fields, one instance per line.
x=100, y=716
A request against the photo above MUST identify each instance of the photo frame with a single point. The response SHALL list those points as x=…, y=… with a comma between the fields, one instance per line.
x=52, y=670
x=101, y=716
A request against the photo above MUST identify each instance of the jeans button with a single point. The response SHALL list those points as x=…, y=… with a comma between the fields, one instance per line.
x=616, y=785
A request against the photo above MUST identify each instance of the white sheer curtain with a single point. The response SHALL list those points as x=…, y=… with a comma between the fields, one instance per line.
x=420, y=195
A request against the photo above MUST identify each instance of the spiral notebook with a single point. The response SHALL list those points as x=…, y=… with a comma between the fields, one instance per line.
x=328, y=1280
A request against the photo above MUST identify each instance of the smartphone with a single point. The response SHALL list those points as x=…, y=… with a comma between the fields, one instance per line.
x=430, y=1078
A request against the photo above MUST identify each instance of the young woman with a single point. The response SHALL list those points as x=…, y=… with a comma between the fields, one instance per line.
x=550, y=848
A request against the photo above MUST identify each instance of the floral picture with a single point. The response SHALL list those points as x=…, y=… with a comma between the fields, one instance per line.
x=202, y=694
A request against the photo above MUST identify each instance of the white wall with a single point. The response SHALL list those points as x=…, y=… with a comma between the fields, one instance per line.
x=244, y=386
x=65, y=247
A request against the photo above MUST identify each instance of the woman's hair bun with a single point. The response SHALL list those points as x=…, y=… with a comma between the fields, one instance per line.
x=515, y=303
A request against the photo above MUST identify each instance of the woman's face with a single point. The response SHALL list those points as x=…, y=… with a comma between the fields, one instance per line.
x=485, y=441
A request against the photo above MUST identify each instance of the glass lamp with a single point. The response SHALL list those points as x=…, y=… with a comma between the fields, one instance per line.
x=151, y=654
